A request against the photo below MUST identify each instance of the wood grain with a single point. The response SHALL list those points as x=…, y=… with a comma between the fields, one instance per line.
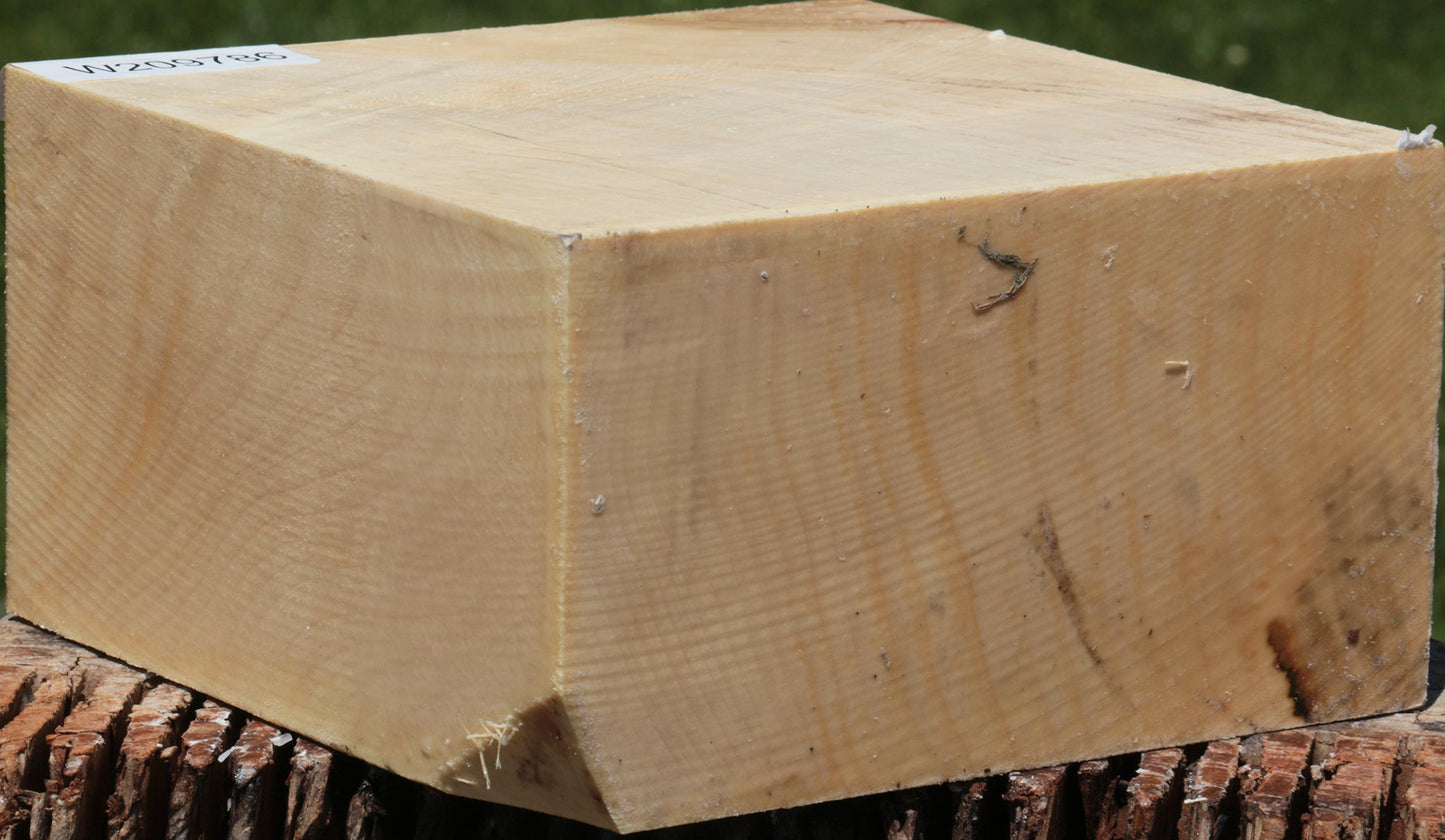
x=597, y=417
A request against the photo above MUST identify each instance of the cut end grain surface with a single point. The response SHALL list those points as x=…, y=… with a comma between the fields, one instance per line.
x=704, y=117
x=660, y=419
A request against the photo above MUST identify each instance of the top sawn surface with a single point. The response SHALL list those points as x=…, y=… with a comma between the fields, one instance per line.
x=697, y=118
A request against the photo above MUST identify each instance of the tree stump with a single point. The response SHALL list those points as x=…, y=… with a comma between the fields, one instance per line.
x=92, y=749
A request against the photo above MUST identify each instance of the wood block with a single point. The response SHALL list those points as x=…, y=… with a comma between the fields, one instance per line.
x=610, y=418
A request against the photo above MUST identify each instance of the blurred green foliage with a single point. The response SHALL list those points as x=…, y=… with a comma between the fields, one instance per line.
x=1362, y=59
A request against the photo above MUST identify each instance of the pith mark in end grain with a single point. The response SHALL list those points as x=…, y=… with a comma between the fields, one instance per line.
x=1046, y=542
x=1022, y=270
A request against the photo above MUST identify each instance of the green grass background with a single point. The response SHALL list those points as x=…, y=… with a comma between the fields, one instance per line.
x=1365, y=59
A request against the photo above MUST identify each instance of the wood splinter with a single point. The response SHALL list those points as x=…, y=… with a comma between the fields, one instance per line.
x=496, y=735
x=1183, y=366
x=1013, y=261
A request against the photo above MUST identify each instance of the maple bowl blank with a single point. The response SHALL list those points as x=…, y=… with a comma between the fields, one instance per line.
x=655, y=419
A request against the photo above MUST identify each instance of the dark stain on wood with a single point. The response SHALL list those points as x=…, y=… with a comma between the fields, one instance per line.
x=543, y=730
x=1369, y=505
x=540, y=756
x=1353, y=598
x=1288, y=659
x=1045, y=541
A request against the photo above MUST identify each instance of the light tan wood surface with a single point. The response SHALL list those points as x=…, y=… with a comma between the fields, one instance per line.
x=693, y=119
x=596, y=417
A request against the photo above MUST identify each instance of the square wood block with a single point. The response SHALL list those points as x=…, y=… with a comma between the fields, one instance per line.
x=598, y=417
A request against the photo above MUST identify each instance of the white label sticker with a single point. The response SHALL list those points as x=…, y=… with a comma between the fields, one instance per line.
x=164, y=63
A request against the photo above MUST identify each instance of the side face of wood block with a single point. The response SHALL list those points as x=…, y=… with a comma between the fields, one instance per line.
x=246, y=388
x=994, y=539
x=615, y=435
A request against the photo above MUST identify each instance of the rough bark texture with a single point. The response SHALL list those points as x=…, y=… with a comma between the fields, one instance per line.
x=1153, y=805
x=1274, y=784
x=308, y=809
x=147, y=761
x=199, y=794
x=1210, y=787
x=81, y=766
x=1034, y=799
x=92, y=749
